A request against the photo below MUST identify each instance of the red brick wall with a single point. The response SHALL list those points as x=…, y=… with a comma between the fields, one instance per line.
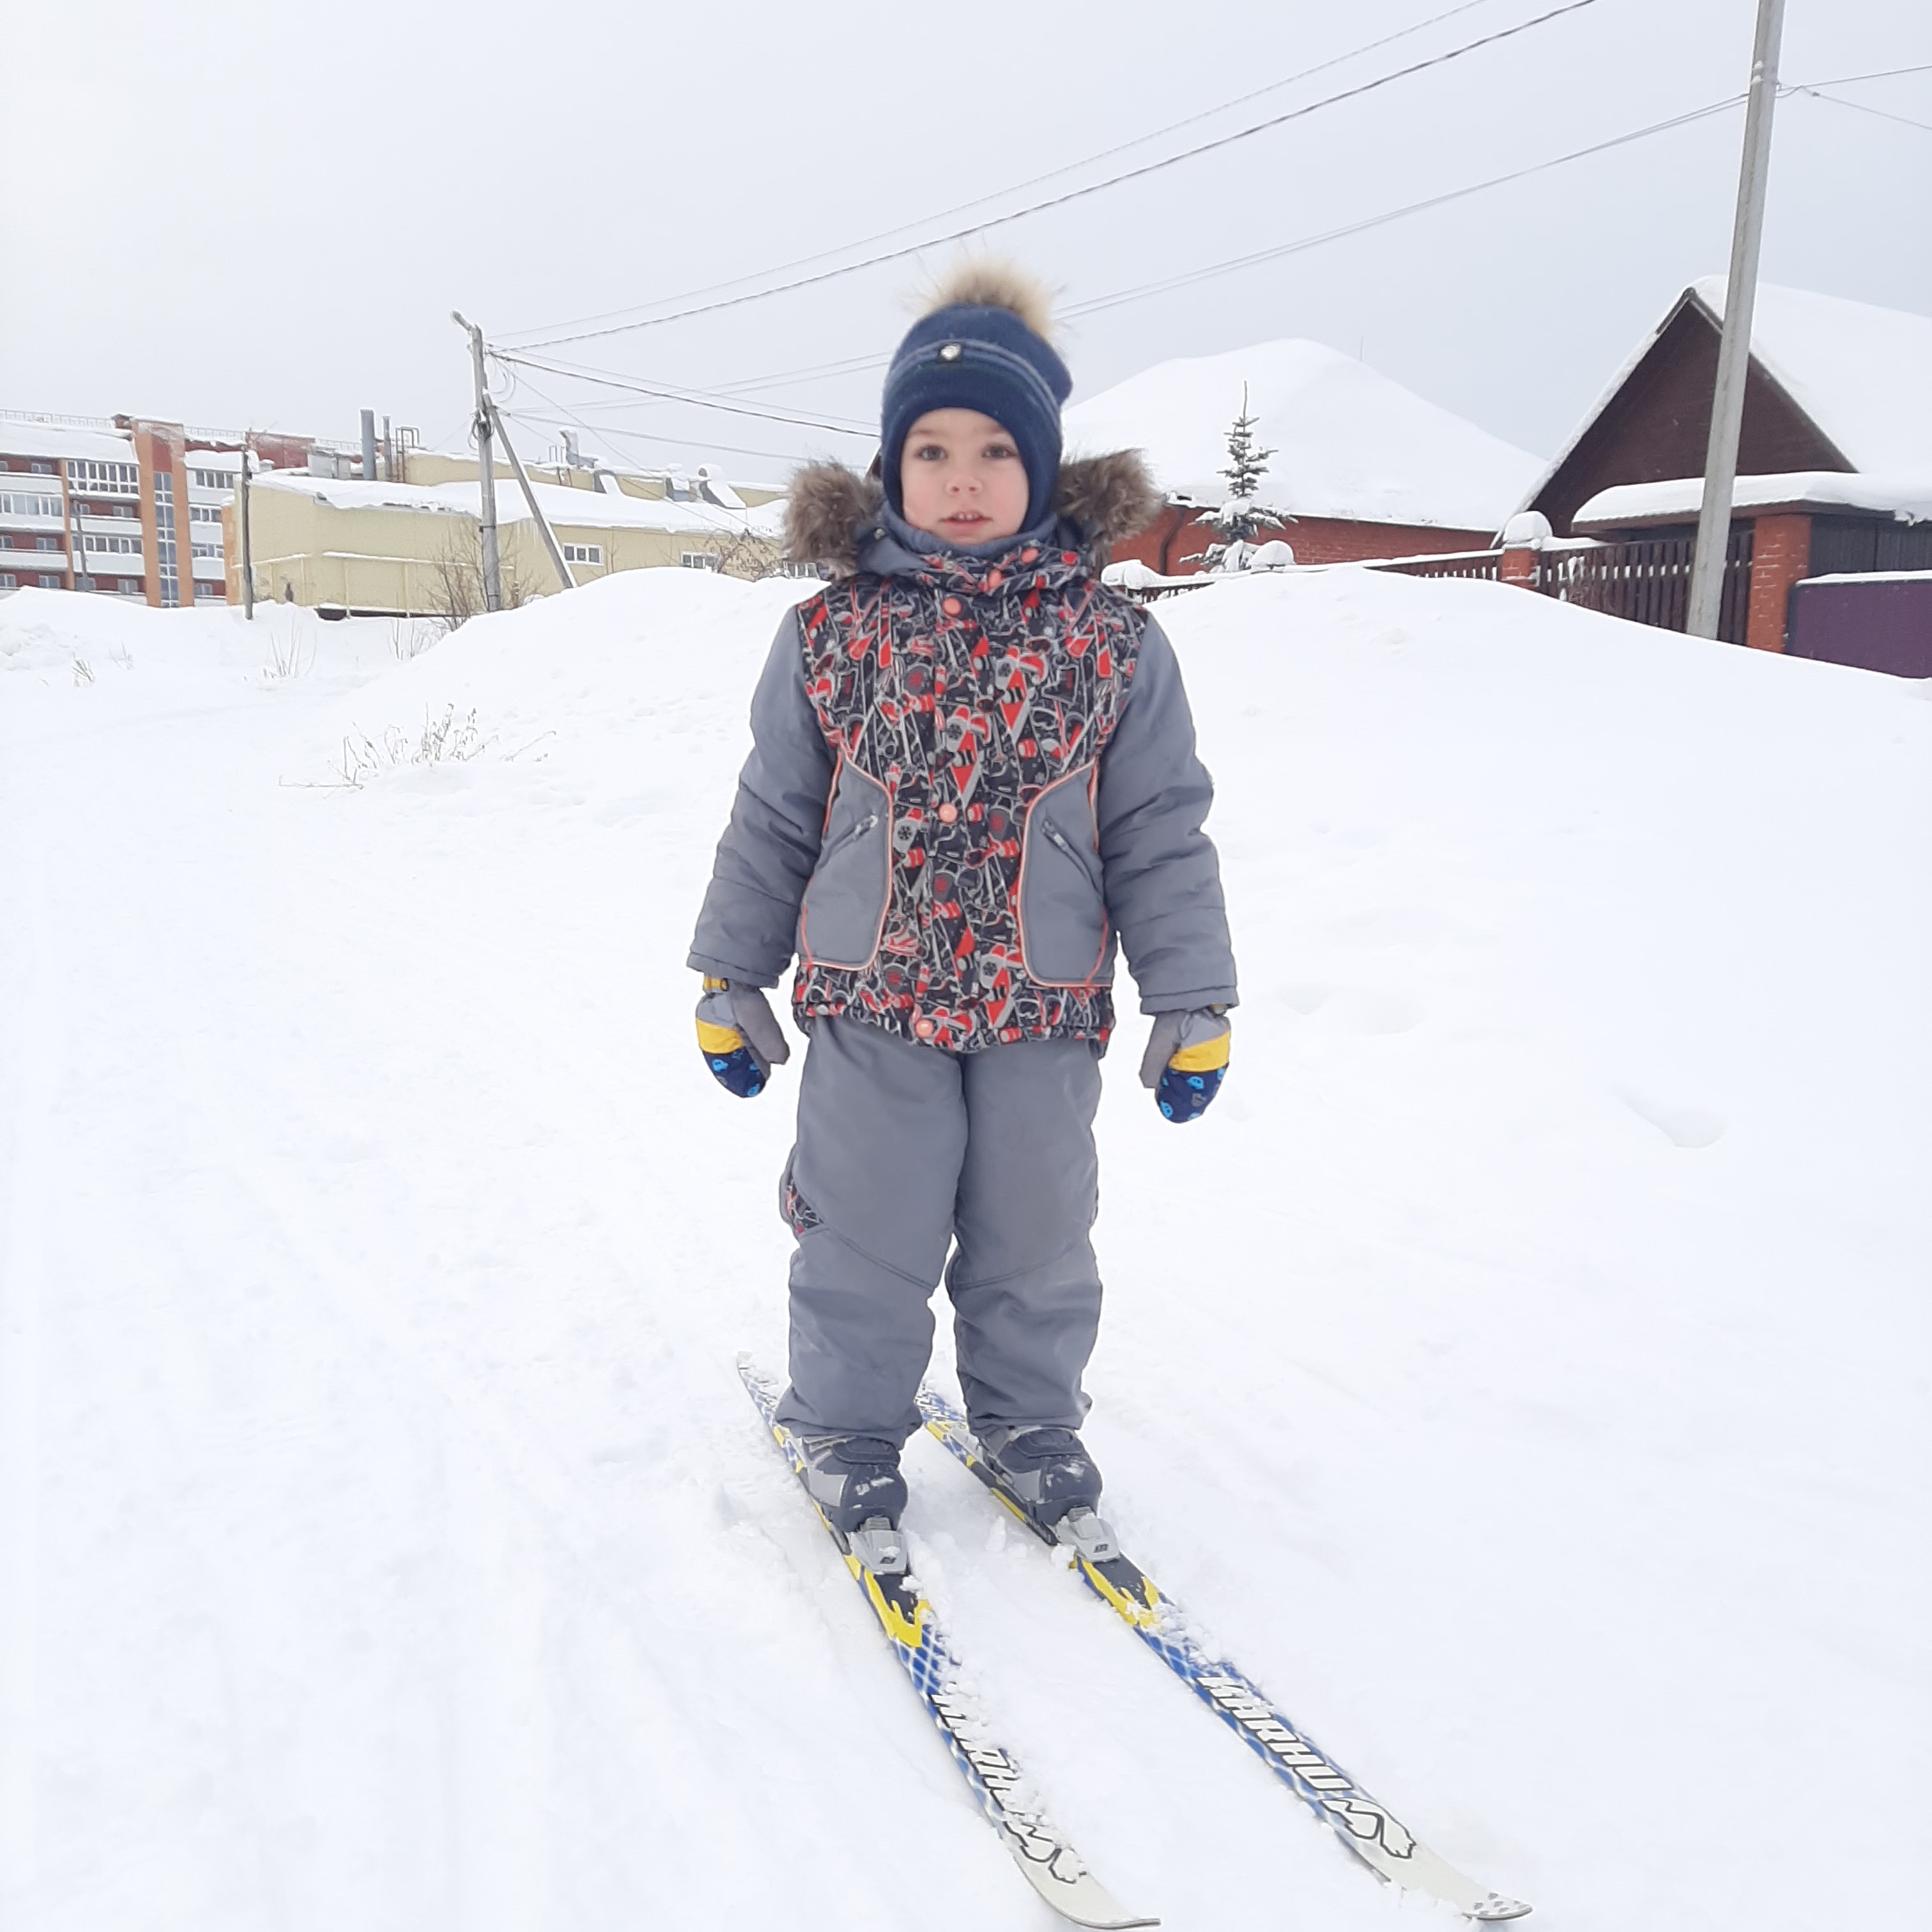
x=1175, y=541
x=1780, y=555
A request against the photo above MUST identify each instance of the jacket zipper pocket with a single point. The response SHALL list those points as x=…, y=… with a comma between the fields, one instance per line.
x=852, y=837
x=1060, y=839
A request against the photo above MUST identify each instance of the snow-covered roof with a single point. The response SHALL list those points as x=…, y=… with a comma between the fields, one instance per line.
x=1348, y=442
x=64, y=440
x=1907, y=497
x=1862, y=374
x=567, y=507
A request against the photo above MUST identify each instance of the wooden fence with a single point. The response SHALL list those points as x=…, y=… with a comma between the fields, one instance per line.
x=1644, y=581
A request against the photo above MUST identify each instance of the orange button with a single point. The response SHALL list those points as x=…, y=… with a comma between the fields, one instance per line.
x=924, y=1028
x=948, y=813
x=951, y=606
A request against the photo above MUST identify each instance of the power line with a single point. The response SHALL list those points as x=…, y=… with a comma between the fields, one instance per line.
x=1098, y=303
x=664, y=392
x=660, y=392
x=1079, y=193
x=1884, y=73
x=1859, y=106
x=1119, y=297
x=1016, y=187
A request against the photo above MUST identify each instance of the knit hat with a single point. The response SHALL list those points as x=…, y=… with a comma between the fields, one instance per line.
x=982, y=345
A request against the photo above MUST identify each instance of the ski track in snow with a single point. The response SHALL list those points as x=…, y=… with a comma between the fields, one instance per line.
x=1521, y=1373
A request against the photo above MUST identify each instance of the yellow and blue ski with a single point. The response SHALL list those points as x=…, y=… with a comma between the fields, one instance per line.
x=1369, y=1829
x=1049, y=1862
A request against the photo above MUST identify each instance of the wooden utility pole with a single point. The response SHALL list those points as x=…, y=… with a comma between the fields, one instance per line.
x=486, y=469
x=1727, y=399
x=248, y=543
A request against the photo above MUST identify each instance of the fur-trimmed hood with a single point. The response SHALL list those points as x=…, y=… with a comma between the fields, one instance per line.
x=831, y=511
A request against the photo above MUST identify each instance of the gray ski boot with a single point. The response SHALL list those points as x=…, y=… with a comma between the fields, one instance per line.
x=1050, y=1472
x=855, y=1481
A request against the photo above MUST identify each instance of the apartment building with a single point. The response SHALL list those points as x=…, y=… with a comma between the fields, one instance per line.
x=126, y=506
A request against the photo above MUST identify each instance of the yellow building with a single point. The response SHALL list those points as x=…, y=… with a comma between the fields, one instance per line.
x=413, y=548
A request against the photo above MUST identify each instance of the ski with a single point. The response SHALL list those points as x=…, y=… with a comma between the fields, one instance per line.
x=1049, y=1863
x=1367, y=1828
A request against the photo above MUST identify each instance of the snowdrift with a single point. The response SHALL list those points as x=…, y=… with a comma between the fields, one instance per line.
x=1520, y=1370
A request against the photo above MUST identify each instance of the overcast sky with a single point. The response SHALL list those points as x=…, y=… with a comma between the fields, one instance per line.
x=261, y=213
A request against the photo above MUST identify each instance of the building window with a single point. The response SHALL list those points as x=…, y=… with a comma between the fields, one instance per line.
x=787, y=568
x=699, y=560
x=204, y=513
x=46, y=543
x=205, y=549
x=584, y=553
x=211, y=479
x=50, y=580
x=17, y=503
x=114, y=546
x=211, y=593
x=131, y=586
x=164, y=538
x=8, y=581
x=44, y=469
x=103, y=479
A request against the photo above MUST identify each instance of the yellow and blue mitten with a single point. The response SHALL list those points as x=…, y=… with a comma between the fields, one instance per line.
x=1186, y=1060
x=739, y=1037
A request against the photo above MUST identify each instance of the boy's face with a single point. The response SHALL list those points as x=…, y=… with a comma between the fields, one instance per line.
x=961, y=477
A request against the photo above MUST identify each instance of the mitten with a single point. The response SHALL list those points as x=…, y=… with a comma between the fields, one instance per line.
x=739, y=1038
x=1186, y=1055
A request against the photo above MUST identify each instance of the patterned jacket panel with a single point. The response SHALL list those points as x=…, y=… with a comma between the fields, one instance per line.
x=958, y=896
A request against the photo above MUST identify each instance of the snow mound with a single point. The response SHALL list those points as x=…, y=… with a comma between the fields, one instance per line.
x=1520, y=1370
x=1348, y=442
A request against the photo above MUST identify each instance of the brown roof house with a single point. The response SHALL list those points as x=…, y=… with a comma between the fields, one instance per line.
x=1834, y=477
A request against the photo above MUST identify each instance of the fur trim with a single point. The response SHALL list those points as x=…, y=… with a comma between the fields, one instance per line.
x=825, y=509
x=986, y=281
x=828, y=506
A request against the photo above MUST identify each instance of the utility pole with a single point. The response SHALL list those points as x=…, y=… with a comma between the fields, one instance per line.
x=1727, y=399
x=548, y=535
x=241, y=518
x=486, y=469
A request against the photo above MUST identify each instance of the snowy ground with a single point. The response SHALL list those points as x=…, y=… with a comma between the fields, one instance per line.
x=1522, y=1370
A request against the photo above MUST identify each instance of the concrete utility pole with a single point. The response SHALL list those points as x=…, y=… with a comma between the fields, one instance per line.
x=523, y=476
x=248, y=545
x=1727, y=399
x=368, y=445
x=486, y=468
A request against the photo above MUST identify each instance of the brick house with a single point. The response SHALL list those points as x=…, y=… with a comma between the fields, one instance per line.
x=1365, y=468
x=1835, y=462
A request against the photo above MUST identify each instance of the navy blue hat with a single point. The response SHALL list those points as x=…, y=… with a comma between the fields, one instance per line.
x=983, y=348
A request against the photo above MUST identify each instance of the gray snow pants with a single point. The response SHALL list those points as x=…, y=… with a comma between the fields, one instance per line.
x=904, y=1150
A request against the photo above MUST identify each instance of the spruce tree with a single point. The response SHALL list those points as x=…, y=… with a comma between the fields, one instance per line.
x=1241, y=519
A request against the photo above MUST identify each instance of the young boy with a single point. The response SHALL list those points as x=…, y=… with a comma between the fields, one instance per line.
x=973, y=767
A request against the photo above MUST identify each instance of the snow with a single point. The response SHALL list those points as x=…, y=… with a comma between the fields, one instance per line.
x=64, y=441
x=1521, y=1371
x=1907, y=497
x=580, y=509
x=1863, y=374
x=1348, y=442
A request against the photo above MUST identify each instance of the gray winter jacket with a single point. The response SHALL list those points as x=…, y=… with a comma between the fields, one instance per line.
x=935, y=883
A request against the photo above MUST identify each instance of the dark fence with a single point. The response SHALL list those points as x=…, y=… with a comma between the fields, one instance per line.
x=1480, y=565
x=1647, y=581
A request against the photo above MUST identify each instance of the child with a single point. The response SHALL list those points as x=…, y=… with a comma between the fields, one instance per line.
x=972, y=766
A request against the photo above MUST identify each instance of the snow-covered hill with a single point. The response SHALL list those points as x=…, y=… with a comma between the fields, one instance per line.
x=1522, y=1369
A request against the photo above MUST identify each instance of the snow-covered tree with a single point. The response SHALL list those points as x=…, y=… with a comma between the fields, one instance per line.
x=1241, y=519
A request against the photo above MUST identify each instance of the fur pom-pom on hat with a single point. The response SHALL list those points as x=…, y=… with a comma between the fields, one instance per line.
x=986, y=281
